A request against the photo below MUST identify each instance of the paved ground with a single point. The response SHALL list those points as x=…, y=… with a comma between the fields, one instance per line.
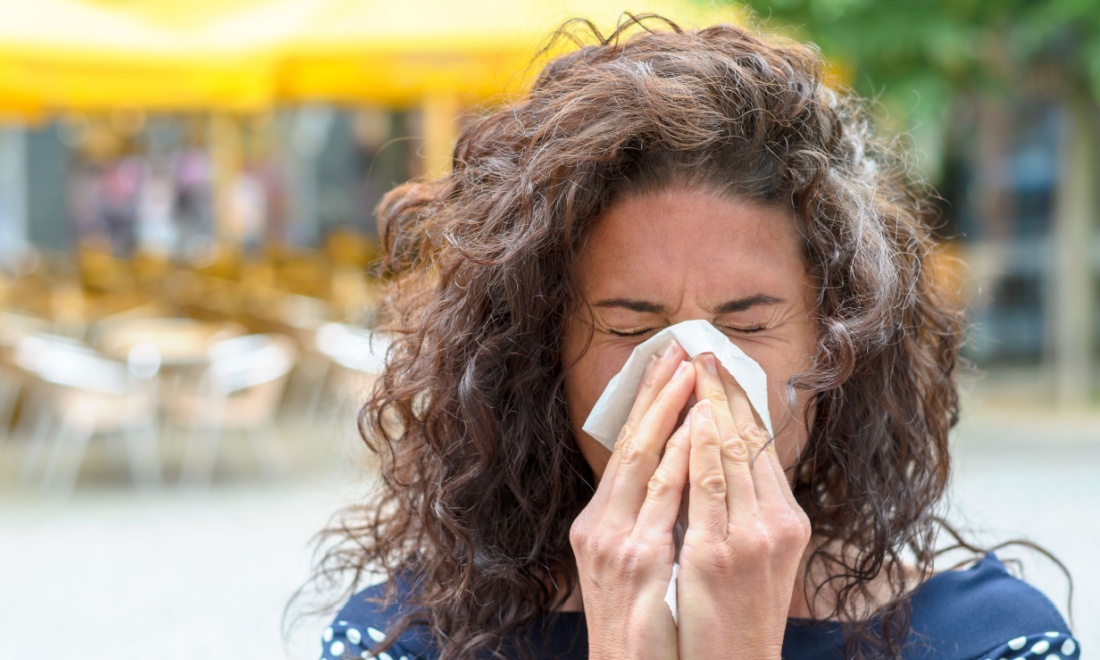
x=1018, y=477
x=109, y=574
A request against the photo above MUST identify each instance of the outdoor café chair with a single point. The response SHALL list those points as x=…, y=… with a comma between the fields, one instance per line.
x=241, y=391
x=80, y=393
x=14, y=326
x=357, y=353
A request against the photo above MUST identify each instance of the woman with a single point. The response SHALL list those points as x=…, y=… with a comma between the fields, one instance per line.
x=644, y=181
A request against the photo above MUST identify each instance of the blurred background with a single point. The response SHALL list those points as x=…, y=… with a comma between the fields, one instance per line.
x=186, y=299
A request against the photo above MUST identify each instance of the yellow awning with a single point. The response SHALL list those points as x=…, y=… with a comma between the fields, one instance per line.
x=71, y=55
x=399, y=52
x=243, y=55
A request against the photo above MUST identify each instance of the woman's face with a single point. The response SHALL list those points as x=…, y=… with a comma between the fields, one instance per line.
x=658, y=259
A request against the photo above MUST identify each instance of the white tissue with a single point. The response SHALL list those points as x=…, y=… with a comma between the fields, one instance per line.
x=696, y=337
x=670, y=593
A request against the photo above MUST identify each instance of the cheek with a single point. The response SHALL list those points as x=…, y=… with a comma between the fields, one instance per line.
x=788, y=415
x=789, y=421
x=586, y=377
x=589, y=365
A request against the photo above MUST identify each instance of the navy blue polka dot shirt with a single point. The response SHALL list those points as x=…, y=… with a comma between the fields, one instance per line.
x=981, y=613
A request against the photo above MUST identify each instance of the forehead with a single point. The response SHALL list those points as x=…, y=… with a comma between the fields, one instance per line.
x=691, y=238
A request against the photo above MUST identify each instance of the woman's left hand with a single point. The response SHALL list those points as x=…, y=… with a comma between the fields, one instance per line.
x=745, y=535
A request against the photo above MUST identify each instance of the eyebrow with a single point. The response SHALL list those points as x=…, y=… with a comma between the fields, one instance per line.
x=728, y=307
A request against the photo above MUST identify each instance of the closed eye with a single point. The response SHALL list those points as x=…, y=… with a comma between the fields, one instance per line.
x=642, y=331
x=630, y=333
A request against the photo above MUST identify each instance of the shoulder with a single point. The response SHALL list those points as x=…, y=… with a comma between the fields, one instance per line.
x=984, y=611
x=365, y=620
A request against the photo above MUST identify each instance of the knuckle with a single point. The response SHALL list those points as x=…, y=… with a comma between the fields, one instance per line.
x=594, y=543
x=660, y=484
x=720, y=558
x=597, y=546
x=715, y=393
x=578, y=533
x=734, y=448
x=724, y=560
x=714, y=483
x=627, y=444
x=801, y=527
x=761, y=544
x=625, y=433
x=630, y=555
x=754, y=435
x=789, y=531
x=804, y=523
x=709, y=442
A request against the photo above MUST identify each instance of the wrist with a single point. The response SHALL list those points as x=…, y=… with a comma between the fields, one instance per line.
x=633, y=638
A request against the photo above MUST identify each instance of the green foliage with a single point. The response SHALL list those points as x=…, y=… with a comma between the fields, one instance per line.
x=933, y=48
x=915, y=56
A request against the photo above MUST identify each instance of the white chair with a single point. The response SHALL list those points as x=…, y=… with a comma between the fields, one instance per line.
x=300, y=317
x=354, y=347
x=14, y=326
x=80, y=393
x=239, y=391
x=357, y=353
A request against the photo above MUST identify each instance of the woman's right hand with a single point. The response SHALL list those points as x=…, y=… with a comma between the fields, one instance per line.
x=623, y=540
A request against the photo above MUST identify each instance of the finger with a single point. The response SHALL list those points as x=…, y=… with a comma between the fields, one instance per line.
x=740, y=491
x=762, y=465
x=741, y=498
x=666, y=487
x=781, y=480
x=638, y=450
x=658, y=372
x=771, y=484
x=708, y=385
x=762, y=459
x=707, y=511
x=744, y=415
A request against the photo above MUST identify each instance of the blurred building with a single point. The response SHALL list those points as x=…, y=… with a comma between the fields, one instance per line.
x=1003, y=166
x=305, y=174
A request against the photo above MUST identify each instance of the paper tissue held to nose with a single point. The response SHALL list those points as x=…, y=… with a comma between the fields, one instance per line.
x=613, y=407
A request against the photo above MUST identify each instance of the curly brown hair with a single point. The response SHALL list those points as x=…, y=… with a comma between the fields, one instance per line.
x=481, y=476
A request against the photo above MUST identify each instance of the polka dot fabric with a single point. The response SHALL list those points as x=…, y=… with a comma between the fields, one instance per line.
x=981, y=613
x=342, y=641
x=1051, y=645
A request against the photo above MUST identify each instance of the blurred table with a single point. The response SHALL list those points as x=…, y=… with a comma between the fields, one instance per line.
x=16, y=325
x=181, y=342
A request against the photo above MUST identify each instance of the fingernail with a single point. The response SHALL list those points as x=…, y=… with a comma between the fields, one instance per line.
x=649, y=364
x=682, y=369
x=670, y=350
x=704, y=409
x=709, y=363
